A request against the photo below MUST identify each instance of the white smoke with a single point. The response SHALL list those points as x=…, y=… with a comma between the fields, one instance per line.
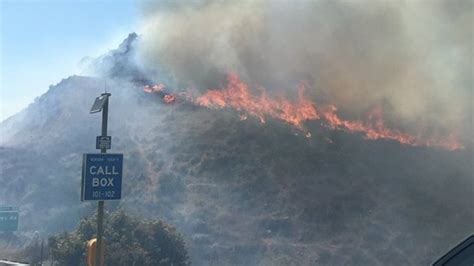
x=412, y=57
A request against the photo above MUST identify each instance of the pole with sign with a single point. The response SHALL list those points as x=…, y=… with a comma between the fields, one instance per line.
x=101, y=174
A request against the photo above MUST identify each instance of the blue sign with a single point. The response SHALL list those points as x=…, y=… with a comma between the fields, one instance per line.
x=102, y=176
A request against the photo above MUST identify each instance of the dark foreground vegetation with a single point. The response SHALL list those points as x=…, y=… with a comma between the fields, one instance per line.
x=130, y=240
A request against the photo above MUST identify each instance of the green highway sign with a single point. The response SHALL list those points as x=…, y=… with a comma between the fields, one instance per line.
x=8, y=219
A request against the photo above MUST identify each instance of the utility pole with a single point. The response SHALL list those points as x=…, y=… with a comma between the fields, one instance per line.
x=98, y=183
x=41, y=252
x=100, y=207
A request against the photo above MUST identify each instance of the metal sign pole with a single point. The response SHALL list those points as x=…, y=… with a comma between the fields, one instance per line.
x=100, y=207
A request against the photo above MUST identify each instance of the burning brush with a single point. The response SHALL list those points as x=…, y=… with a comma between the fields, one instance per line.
x=159, y=89
x=237, y=95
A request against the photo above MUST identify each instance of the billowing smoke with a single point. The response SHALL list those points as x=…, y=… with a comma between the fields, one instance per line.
x=412, y=58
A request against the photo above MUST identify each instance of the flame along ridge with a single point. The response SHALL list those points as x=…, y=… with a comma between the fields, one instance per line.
x=237, y=95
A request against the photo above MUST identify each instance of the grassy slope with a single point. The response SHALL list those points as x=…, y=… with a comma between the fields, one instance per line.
x=241, y=192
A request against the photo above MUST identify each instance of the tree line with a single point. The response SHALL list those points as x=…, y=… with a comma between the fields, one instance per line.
x=130, y=240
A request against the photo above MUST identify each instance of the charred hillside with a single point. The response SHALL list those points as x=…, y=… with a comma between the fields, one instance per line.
x=241, y=192
x=259, y=193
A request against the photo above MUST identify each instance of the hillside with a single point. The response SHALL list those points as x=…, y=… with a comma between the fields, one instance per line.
x=241, y=192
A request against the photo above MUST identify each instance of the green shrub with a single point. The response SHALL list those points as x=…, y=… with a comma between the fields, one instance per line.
x=130, y=240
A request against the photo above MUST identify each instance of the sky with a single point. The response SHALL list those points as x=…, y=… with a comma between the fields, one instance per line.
x=43, y=41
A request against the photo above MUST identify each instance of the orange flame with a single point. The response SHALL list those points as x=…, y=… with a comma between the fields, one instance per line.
x=169, y=98
x=237, y=95
x=155, y=88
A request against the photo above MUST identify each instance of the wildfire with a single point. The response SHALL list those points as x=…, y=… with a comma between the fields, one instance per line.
x=169, y=98
x=237, y=95
x=154, y=88
x=158, y=88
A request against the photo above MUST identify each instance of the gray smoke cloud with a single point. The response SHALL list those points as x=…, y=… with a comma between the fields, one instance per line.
x=414, y=58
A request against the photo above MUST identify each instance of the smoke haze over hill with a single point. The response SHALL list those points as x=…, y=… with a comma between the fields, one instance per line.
x=246, y=193
x=412, y=58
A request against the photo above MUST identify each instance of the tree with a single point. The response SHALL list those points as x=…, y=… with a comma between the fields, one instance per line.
x=130, y=240
x=67, y=249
